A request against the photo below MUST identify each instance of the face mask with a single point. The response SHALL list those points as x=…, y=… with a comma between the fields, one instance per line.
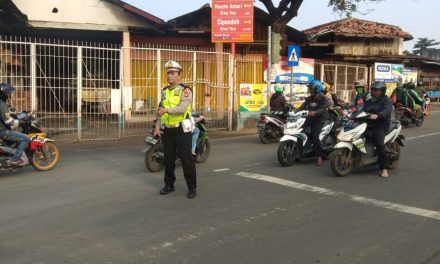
x=360, y=90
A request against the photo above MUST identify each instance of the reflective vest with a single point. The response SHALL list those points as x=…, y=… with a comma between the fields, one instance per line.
x=171, y=98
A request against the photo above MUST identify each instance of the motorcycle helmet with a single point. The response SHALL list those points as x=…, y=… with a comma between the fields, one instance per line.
x=5, y=91
x=410, y=85
x=278, y=88
x=315, y=86
x=379, y=85
x=360, y=88
x=326, y=87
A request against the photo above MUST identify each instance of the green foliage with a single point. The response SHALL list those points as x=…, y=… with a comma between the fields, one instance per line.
x=423, y=44
x=276, y=47
x=347, y=7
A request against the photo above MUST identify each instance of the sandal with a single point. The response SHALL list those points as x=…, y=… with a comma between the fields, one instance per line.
x=384, y=174
x=319, y=162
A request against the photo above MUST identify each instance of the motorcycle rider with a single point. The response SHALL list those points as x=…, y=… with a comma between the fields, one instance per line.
x=7, y=123
x=420, y=89
x=277, y=100
x=415, y=100
x=422, y=92
x=333, y=99
x=361, y=93
x=379, y=106
x=317, y=105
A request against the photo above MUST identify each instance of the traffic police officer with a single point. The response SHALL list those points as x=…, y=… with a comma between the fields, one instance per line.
x=175, y=107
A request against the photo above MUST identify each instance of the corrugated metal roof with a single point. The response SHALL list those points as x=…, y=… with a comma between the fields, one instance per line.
x=357, y=27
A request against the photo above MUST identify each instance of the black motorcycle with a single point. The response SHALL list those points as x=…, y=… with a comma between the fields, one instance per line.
x=271, y=126
x=154, y=155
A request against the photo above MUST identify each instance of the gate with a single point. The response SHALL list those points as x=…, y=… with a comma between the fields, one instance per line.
x=93, y=91
x=206, y=72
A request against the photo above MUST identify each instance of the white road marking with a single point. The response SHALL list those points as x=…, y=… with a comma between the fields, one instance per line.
x=356, y=198
x=225, y=169
x=422, y=136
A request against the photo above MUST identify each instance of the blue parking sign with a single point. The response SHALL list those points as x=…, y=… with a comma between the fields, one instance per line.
x=292, y=55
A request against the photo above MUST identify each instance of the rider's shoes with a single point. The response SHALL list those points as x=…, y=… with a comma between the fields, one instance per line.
x=167, y=189
x=18, y=163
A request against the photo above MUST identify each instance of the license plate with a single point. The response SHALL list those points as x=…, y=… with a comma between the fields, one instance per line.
x=149, y=139
x=261, y=124
x=39, y=139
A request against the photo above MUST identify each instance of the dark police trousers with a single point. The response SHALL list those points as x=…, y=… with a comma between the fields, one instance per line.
x=174, y=138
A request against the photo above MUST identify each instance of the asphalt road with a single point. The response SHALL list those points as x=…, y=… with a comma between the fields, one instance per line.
x=100, y=205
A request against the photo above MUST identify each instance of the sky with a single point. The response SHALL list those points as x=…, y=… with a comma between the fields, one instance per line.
x=417, y=17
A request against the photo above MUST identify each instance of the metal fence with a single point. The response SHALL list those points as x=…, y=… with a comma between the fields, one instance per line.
x=92, y=91
x=206, y=72
x=342, y=76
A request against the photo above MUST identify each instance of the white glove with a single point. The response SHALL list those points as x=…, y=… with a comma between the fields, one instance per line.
x=15, y=124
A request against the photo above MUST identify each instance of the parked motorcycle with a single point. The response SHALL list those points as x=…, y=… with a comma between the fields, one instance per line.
x=355, y=149
x=407, y=116
x=271, y=126
x=154, y=155
x=295, y=143
x=42, y=152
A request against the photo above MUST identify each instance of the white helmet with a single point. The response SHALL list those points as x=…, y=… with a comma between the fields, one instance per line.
x=173, y=66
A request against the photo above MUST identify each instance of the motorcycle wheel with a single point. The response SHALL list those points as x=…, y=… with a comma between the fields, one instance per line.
x=203, y=149
x=395, y=147
x=46, y=157
x=154, y=159
x=420, y=120
x=287, y=153
x=340, y=163
x=265, y=134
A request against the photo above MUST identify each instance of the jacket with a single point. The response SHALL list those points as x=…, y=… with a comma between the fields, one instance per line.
x=382, y=107
x=317, y=103
x=277, y=102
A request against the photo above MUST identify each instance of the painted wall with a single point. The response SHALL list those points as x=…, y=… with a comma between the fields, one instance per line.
x=78, y=14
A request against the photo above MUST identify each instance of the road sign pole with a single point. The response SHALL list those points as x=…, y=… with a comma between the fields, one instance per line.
x=269, y=65
x=291, y=84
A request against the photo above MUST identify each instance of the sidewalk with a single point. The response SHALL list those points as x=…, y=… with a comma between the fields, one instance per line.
x=213, y=134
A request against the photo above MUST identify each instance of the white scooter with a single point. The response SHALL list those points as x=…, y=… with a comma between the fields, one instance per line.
x=354, y=148
x=295, y=144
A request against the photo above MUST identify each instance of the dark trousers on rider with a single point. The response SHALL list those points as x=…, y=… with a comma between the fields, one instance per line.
x=316, y=127
x=175, y=139
x=378, y=136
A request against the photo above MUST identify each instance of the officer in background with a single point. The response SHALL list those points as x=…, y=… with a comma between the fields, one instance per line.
x=174, y=108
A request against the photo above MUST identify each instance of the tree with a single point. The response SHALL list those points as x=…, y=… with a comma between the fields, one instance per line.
x=288, y=9
x=423, y=44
